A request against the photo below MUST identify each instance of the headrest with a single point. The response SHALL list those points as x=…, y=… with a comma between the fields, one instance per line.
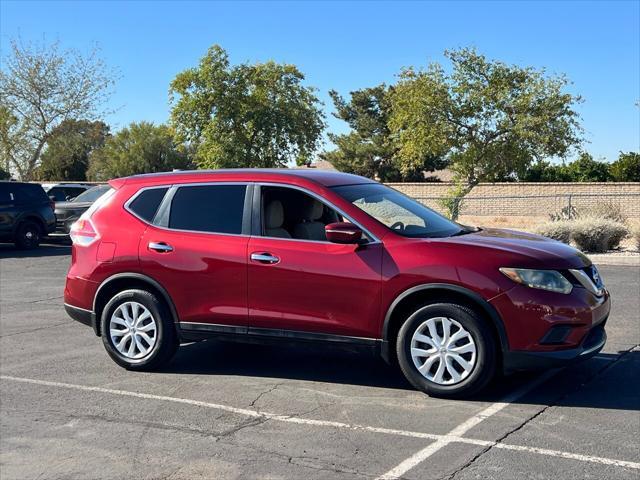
x=313, y=210
x=274, y=214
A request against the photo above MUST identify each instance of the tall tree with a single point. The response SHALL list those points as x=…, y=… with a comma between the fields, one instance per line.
x=246, y=115
x=626, y=168
x=490, y=119
x=139, y=148
x=40, y=87
x=69, y=148
x=586, y=169
x=368, y=150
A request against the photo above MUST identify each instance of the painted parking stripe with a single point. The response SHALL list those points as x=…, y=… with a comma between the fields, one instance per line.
x=439, y=440
x=421, y=455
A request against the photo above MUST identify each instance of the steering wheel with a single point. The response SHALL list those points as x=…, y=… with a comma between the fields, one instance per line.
x=397, y=226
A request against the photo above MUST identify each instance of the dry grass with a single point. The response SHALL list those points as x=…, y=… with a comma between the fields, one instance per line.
x=531, y=223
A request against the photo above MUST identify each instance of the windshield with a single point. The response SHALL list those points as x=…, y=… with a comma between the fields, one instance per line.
x=398, y=212
x=92, y=194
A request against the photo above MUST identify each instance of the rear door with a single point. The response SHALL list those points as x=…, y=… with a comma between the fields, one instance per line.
x=196, y=248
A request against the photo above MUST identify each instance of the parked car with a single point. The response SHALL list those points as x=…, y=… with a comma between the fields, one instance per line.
x=63, y=192
x=68, y=212
x=26, y=214
x=307, y=255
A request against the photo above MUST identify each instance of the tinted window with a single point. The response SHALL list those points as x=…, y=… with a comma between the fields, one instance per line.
x=29, y=193
x=5, y=195
x=146, y=204
x=58, y=194
x=209, y=208
x=92, y=194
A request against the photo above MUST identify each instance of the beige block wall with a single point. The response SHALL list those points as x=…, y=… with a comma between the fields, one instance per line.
x=535, y=199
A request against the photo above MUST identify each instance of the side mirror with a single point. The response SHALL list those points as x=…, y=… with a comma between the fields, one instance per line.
x=343, y=232
x=52, y=198
x=68, y=198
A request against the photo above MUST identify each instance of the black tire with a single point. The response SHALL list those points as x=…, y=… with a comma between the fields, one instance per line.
x=28, y=235
x=486, y=352
x=166, y=341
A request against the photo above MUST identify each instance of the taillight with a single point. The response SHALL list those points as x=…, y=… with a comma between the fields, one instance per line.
x=83, y=232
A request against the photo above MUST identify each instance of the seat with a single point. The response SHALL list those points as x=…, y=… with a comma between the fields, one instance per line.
x=310, y=228
x=273, y=220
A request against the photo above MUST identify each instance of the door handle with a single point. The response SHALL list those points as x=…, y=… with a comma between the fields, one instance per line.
x=160, y=247
x=264, y=257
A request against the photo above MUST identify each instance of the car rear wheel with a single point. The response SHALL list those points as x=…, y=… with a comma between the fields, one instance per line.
x=446, y=350
x=28, y=235
x=138, y=331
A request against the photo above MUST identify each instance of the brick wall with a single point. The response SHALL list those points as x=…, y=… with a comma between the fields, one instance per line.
x=534, y=199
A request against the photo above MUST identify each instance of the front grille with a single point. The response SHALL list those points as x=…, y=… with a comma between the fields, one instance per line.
x=594, y=275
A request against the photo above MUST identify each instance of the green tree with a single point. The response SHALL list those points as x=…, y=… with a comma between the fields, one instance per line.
x=139, y=148
x=368, y=150
x=489, y=119
x=69, y=148
x=626, y=168
x=544, y=171
x=40, y=87
x=246, y=115
x=586, y=169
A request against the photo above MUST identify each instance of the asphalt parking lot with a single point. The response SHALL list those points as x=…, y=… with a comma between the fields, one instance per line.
x=226, y=411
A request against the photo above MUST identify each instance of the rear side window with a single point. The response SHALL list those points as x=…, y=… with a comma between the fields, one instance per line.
x=208, y=208
x=146, y=204
x=29, y=193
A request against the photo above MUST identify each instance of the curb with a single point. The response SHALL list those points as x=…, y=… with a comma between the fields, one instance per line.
x=615, y=260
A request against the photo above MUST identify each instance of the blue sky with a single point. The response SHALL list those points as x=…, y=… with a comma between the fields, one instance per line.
x=350, y=45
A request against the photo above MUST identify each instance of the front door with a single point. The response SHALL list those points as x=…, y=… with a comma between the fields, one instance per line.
x=299, y=281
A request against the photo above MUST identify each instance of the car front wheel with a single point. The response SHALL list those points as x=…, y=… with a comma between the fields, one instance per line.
x=446, y=350
x=138, y=331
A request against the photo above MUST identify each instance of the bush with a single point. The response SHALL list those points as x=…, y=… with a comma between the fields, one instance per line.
x=558, y=230
x=565, y=213
x=636, y=236
x=608, y=210
x=598, y=235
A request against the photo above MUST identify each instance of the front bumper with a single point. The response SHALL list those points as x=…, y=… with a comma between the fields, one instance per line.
x=530, y=360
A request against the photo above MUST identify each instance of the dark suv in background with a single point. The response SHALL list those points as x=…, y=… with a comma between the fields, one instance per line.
x=26, y=214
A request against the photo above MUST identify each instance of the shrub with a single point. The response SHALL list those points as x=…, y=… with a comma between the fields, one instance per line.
x=558, y=230
x=636, y=236
x=598, y=235
x=609, y=210
x=565, y=213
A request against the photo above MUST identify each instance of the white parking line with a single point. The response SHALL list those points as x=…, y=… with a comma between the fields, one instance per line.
x=440, y=440
x=418, y=457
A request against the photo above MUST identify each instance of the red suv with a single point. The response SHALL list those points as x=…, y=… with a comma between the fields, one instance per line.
x=308, y=255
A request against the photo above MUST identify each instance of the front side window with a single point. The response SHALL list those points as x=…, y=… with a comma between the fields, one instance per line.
x=398, y=212
x=208, y=208
x=291, y=213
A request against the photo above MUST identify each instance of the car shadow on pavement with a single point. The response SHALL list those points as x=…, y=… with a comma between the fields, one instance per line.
x=600, y=382
x=45, y=250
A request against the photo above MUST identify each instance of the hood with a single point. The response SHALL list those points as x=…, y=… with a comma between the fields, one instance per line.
x=525, y=249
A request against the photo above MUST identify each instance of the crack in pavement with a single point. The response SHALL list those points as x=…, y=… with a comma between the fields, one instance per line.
x=32, y=301
x=37, y=329
x=551, y=404
x=262, y=394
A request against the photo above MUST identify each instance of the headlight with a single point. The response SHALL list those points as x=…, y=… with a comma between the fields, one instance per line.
x=543, y=279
